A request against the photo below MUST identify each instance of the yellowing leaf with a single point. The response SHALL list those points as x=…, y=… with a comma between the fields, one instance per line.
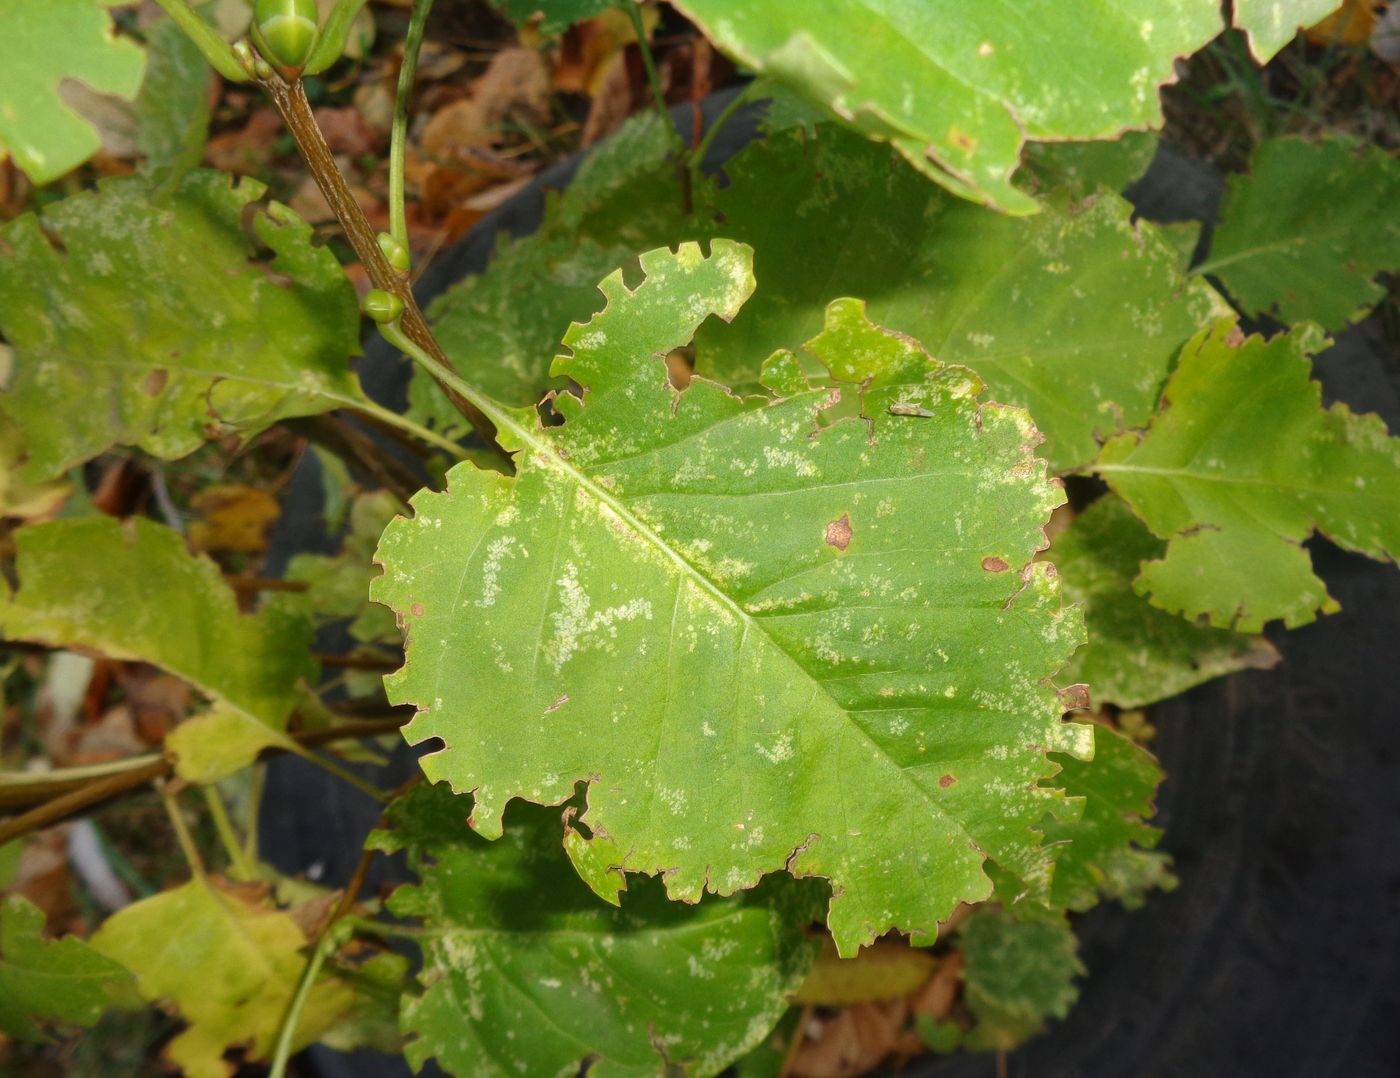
x=236, y=518
x=228, y=963
x=132, y=591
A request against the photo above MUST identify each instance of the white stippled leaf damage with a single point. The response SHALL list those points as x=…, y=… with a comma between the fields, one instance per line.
x=798, y=630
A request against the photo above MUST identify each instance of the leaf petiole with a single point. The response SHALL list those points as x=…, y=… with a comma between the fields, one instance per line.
x=215, y=49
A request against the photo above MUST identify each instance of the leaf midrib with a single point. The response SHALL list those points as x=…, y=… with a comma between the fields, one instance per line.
x=548, y=454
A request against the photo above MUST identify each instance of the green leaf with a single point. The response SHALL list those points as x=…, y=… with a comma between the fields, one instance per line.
x=526, y=971
x=947, y=83
x=555, y=15
x=173, y=107
x=1306, y=232
x=1108, y=850
x=18, y=496
x=228, y=962
x=1272, y=24
x=339, y=584
x=102, y=298
x=1240, y=467
x=44, y=981
x=504, y=325
x=1018, y=975
x=42, y=43
x=1076, y=316
x=1137, y=654
x=372, y=1022
x=131, y=591
x=1079, y=169
x=837, y=615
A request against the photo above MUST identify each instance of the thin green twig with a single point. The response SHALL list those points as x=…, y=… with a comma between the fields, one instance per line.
x=695, y=157
x=286, y=1036
x=182, y=835
x=384, y=415
x=215, y=49
x=398, y=137
x=634, y=12
x=239, y=867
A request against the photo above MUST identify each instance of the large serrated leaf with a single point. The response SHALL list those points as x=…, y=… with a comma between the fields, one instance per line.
x=1137, y=654
x=1108, y=850
x=161, y=315
x=132, y=591
x=44, y=981
x=1076, y=316
x=1304, y=234
x=43, y=43
x=764, y=636
x=513, y=935
x=229, y=962
x=1240, y=467
x=958, y=88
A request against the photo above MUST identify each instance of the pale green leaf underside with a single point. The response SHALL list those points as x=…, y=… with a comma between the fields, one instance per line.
x=1305, y=233
x=1244, y=464
x=132, y=591
x=165, y=320
x=45, y=981
x=173, y=108
x=1108, y=851
x=958, y=88
x=764, y=642
x=1076, y=316
x=1272, y=24
x=1018, y=975
x=1136, y=654
x=527, y=971
x=42, y=43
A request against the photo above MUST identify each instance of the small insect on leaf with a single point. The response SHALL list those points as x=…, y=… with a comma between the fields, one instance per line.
x=903, y=408
x=285, y=31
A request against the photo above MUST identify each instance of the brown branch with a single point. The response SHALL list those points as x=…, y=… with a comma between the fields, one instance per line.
x=86, y=796
x=346, y=441
x=358, y=662
x=289, y=98
x=264, y=583
x=92, y=794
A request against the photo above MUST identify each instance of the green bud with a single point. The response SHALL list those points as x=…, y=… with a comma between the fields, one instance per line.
x=382, y=306
x=285, y=31
x=394, y=252
x=247, y=60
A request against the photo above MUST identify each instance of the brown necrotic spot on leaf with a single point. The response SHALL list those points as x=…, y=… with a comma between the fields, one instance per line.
x=154, y=382
x=417, y=609
x=838, y=532
x=994, y=564
x=1075, y=697
x=947, y=780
